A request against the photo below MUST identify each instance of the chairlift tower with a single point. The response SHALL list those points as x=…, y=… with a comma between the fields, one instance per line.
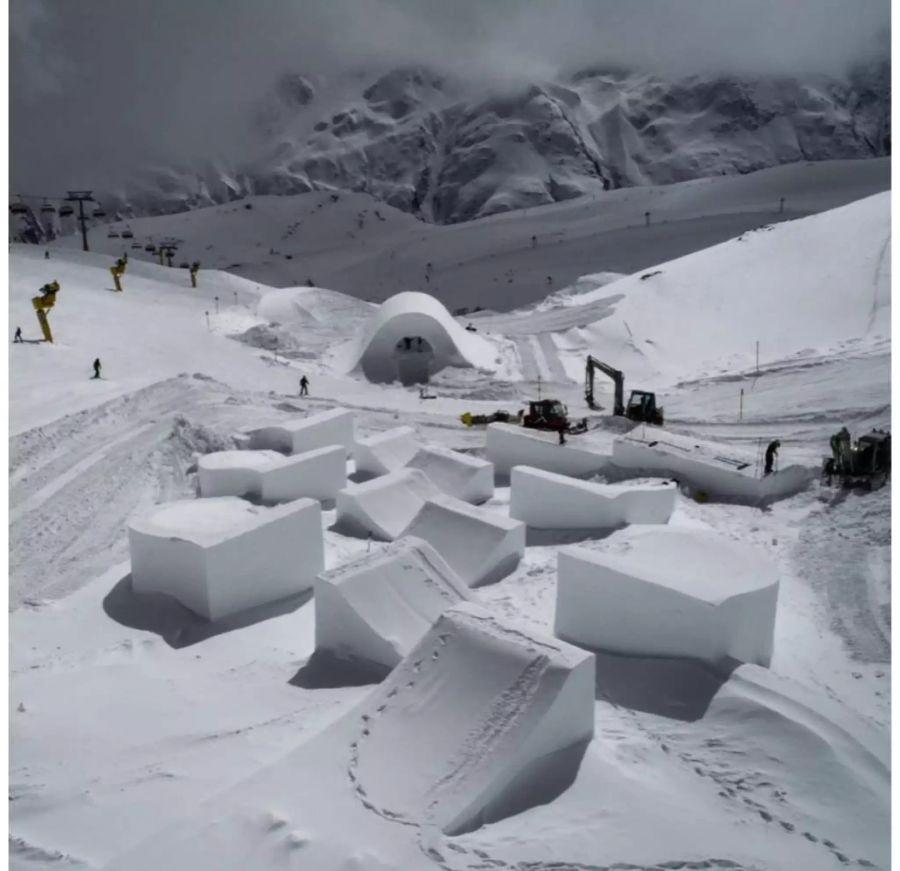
x=81, y=197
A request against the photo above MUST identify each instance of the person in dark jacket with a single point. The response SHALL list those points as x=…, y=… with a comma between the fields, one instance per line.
x=96, y=368
x=771, y=455
x=18, y=336
x=304, y=386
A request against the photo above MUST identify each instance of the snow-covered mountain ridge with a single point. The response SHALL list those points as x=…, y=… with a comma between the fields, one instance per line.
x=443, y=150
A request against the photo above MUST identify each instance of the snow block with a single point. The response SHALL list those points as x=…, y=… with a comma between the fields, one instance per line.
x=378, y=607
x=481, y=546
x=509, y=446
x=719, y=472
x=545, y=500
x=386, y=451
x=232, y=473
x=385, y=506
x=461, y=475
x=480, y=721
x=334, y=427
x=670, y=593
x=222, y=555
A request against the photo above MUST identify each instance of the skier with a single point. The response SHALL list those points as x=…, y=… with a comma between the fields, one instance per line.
x=46, y=255
x=534, y=241
x=96, y=368
x=18, y=335
x=304, y=386
x=562, y=433
x=771, y=454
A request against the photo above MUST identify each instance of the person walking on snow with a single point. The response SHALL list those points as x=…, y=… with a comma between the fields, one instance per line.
x=771, y=455
x=304, y=386
x=18, y=336
x=96, y=368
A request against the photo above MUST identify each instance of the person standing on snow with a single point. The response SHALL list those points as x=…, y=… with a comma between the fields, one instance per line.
x=96, y=368
x=771, y=455
x=304, y=386
x=18, y=336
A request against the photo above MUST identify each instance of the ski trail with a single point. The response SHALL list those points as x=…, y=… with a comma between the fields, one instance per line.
x=530, y=370
x=551, y=355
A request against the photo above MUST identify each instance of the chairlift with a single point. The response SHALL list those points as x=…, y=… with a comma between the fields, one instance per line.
x=136, y=246
x=112, y=234
x=48, y=209
x=127, y=234
x=18, y=208
x=66, y=211
x=99, y=212
x=150, y=247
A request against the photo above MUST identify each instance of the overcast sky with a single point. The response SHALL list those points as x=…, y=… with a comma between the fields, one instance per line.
x=100, y=86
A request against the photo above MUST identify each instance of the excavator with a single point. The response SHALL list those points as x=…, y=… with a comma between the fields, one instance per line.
x=866, y=465
x=641, y=406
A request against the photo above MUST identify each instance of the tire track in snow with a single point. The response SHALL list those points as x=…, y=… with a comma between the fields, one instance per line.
x=551, y=355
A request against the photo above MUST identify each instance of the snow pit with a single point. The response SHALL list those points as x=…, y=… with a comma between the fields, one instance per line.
x=385, y=506
x=481, y=546
x=378, y=607
x=386, y=451
x=222, y=555
x=232, y=473
x=669, y=593
x=334, y=427
x=461, y=475
x=718, y=472
x=509, y=446
x=545, y=500
x=479, y=722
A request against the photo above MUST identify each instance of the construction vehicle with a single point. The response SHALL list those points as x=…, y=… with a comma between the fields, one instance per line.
x=42, y=304
x=866, y=464
x=551, y=414
x=641, y=406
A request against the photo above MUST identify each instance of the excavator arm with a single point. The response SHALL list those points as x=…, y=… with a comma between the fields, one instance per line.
x=618, y=378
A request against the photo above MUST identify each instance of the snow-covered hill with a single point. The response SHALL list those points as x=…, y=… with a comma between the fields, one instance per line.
x=449, y=151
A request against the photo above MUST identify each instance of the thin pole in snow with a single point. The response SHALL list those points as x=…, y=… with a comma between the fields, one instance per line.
x=757, y=356
x=539, y=388
x=207, y=321
x=741, y=412
x=781, y=206
x=646, y=219
x=217, y=303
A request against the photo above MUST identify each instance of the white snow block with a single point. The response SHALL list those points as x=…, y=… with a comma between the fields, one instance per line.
x=222, y=555
x=386, y=451
x=384, y=506
x=232, y=473
x=378, y=607
x=545, y=500
x=481, y=546
x=320, y=430
x=509, y=446
x=670, y=593
x=719, y=472
x=461, y=475
x=317, y=474
x=480, y=721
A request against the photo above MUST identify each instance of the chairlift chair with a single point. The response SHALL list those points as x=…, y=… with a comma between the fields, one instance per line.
x=48, y=209
x=127, y=234
x=66, y=211
x=18, y=208
x=99, y=212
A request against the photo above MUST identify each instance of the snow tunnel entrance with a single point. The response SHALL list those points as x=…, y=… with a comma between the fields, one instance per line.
x=413, y=356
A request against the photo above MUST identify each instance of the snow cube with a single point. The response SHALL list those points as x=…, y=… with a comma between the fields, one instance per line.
x=320, y=430
x=509, y=446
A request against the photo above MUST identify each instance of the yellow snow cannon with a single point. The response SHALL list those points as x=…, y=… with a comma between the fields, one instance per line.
x=42, y=304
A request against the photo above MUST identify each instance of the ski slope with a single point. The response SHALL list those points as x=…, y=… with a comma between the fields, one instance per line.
x=143, y=737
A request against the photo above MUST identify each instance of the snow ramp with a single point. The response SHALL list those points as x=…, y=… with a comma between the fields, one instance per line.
x=480, y=721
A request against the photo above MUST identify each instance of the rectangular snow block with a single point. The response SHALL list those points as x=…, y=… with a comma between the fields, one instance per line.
x=672, y=593
x=481, y=546
x=233, y=473
x=384, y=506
x=509, y=446
x=718, y=472
x=386, y=451
x=334, y=427
x=461, y=475
x=545, y=500
x=317, y=474
x=223, y=555
x=378, y=607
x=480, y=721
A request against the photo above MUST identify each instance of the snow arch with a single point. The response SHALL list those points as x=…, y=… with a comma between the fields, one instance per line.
x=411, y=337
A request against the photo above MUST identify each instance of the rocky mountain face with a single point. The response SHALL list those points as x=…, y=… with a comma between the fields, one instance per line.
x=432, y=147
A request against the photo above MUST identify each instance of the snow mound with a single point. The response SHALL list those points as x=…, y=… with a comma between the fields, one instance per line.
x=509, y=446
x=386, y=451
x=718, y=472
x=479, y=722
x=327, y=428
x=384, y=506
x=411, y=337
x=378, y=607
x=308, y=306
x=670, y=593
x=223, y=555
x=481, y=546
x=468, y=478
x=545, y=500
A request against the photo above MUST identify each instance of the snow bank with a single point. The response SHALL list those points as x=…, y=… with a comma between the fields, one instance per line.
x=671, y=593
x=386, y=451
x=481, y=546
x=718, y=472
x=480, y=721
x=378, y=607
x=334, y=427
x=545, y=500
x=509, y=446
x=384, y=506
x=232, y=473
x=379, y=348
x=222, y=555
x=461, y=475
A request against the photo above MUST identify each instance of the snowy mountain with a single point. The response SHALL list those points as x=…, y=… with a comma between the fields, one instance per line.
x=445, y=151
